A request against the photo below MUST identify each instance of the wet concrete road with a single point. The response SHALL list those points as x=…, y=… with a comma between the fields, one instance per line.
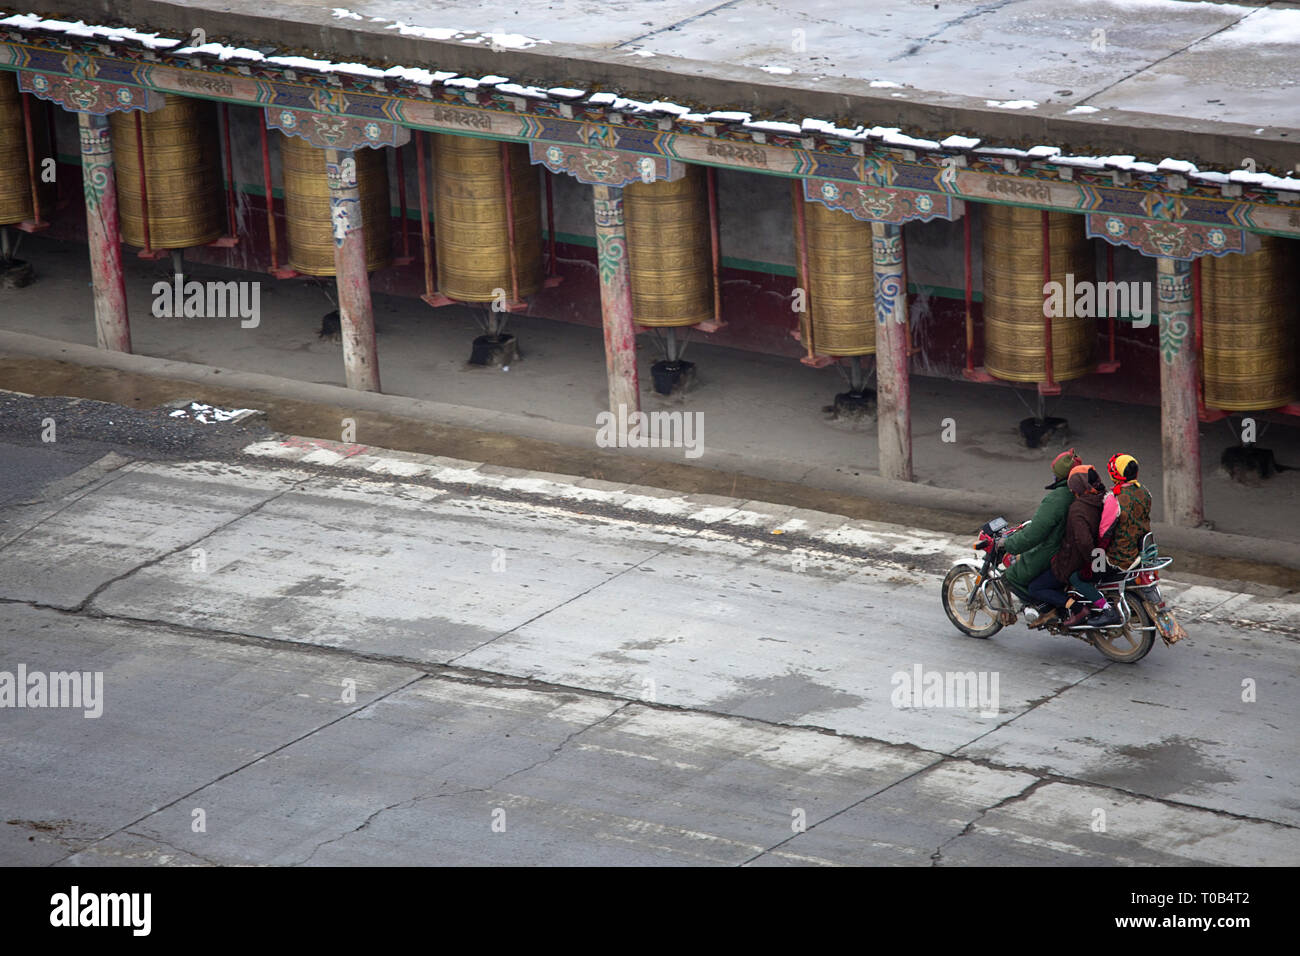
x=28, y=469
x=307, y=663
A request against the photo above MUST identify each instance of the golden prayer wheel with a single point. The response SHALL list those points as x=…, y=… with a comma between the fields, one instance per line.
x=670, y=250
x=841, y=285
x=1250, y=326
x=15, y=184
x=475, y=254
x=182, y=167
x=307, y=206
x=1014, y=331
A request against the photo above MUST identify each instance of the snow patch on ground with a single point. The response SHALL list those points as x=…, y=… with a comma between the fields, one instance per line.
x=209, y=414
x=498, y=41
x=1269, y=27
x=428, y=33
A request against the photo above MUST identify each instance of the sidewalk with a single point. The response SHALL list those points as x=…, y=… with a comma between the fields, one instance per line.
x=764, y=433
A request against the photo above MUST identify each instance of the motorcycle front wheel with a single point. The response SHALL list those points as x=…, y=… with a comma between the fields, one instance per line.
x=1130, y=643
x=975, y=621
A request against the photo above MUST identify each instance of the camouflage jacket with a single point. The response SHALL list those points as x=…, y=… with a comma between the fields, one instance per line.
x=1131, y=526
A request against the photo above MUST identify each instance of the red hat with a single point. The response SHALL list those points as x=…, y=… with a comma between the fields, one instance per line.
x=1063, y=462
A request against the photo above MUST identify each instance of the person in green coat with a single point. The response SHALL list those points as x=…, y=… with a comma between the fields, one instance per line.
x=1041, y=538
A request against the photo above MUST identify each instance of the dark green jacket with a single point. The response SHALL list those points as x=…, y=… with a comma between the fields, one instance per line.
x=1040, y=540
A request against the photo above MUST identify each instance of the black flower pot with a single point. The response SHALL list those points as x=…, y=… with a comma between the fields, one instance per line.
x=494, y=351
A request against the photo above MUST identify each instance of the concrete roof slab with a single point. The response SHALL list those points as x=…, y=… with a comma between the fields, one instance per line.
x=1187, y=79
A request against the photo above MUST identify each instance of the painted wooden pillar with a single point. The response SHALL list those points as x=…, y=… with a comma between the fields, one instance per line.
x=356, y=312
x=893, y=388
x=1180, y=438
x=112, y=328
x=616, y=300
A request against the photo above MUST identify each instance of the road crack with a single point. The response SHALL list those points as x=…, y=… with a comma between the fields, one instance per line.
x=439, y=793
x=936, y=858
x=244, y=766
x=253, y=509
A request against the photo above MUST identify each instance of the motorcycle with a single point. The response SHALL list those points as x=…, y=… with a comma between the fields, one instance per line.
x=980, y=602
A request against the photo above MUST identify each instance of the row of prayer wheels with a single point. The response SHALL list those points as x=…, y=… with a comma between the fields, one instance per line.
x=1251, y=303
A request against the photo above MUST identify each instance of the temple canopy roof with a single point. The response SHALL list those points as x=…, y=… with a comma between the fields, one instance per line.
x=1208, y=83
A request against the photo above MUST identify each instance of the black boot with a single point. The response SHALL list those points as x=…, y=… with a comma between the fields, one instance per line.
x=1108, y=616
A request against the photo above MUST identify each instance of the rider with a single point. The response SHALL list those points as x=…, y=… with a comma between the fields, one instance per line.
x=1134, y=521
x=1083, y=519
x=1100, y=614
x=1037, y=542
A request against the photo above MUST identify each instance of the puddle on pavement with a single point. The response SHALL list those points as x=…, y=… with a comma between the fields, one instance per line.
x=1172, y=766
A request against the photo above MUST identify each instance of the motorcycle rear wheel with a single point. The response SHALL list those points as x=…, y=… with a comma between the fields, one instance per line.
x=1130, y=643
x=957, y=587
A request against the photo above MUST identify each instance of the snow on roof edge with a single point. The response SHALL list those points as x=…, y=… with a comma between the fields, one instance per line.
x=889, y=136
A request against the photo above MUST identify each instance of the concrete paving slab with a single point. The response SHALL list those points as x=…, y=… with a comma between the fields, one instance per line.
x=415, y=574
x=142, y=516
x=178, y=712
x=763, y=635
x=437, y=739
x=907, y=824
x=1054, y=825
x=567, y=779
x=693, y=686
x=1178, y=729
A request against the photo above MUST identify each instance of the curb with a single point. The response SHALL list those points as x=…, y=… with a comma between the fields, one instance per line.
x=1278, y=560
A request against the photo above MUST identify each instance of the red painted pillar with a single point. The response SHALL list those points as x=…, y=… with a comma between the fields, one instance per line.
x=616, y=300
x=1180, y=438
x=893, y=387
x=112, y=329
x=356, y=313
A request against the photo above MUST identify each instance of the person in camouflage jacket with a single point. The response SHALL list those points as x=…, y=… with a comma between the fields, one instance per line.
x=1134, y=521
x=1037, y=542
